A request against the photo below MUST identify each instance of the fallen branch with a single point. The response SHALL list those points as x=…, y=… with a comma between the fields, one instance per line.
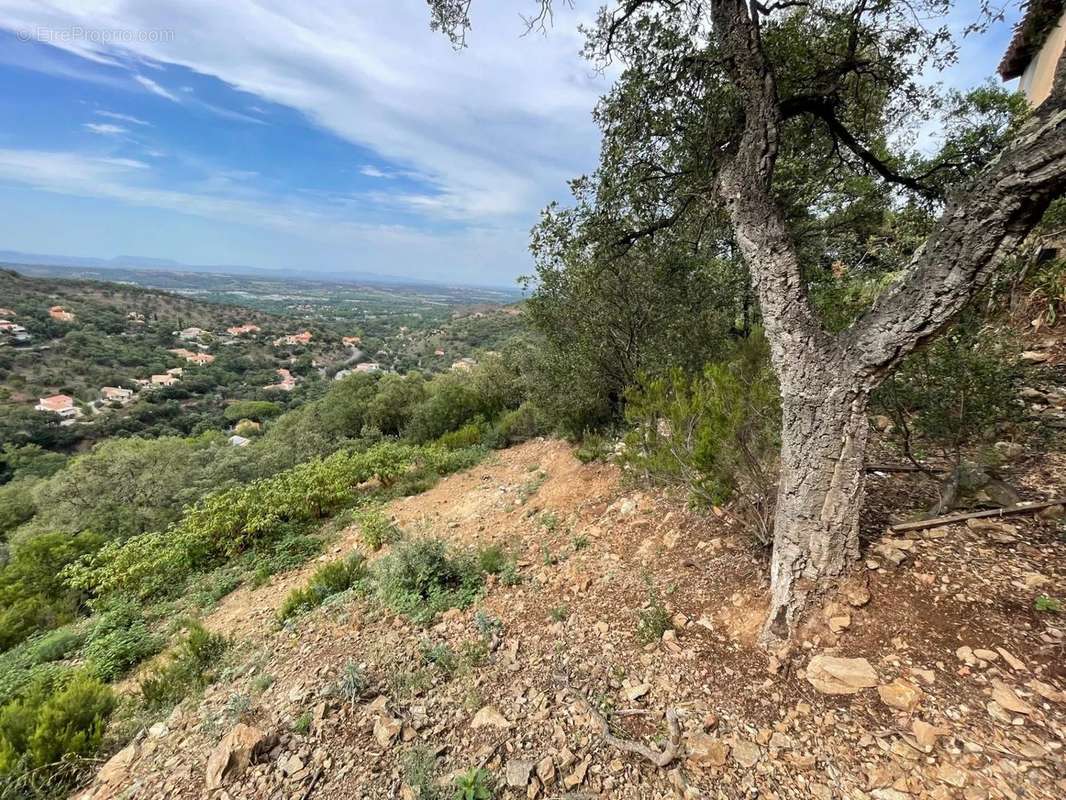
x=903, y=468
x=922, y=524
x=658, y=758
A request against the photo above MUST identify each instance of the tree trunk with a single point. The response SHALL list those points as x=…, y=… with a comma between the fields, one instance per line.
x=816, y=525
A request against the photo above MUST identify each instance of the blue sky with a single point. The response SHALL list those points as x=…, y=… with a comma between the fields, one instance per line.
x=326, y=135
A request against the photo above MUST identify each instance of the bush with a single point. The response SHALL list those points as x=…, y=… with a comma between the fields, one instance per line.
x=493, y=559
x=331, y=579
x=475, y=784
x=35, y=658
x=119, y=640
x=524, y=423
x=419, y=579
x=257, y=410
x=52, y=719
x=33, y=597
x=377, y=529
x=191, y=668
x=716, y=434
x=953, y=394
x=469, y=435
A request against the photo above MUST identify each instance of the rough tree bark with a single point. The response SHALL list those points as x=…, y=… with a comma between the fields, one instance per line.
x=826, y=379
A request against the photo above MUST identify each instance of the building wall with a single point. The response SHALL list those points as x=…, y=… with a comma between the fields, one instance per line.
x=1038, y=76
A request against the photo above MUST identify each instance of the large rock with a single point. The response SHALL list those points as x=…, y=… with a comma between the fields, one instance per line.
x=489, y=717
x=832, y=675
x=517, y=772
x=706, y=751
x=233, y=754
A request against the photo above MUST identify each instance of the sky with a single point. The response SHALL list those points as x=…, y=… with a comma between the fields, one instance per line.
x=332, y=136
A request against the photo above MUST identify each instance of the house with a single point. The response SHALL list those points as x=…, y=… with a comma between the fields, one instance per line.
x=7, y=312
x=293, y=339
x=177, y=372
x=1035, y=50
x=238, y=441
x=200, y=359
x=438, y=353
x=288, y=382
x=116, y=394
x=136, y=317
x=368, y=366
x=60, y=404
x=190, y=334
x=352, y=341
x=164, y=380
x=240, y=330
x=464, y=364
x=60, y=314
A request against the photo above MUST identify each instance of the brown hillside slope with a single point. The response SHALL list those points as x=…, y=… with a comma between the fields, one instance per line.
x=963, y=697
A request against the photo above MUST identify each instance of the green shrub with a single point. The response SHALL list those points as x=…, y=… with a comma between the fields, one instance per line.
x=524, y=423
x=36, y=657
x=716, y=434
x=475, y=784
x=376, y=528
x=470, y=435
x=653, y=620
x=119, y=640
x=492, y=559
x=33, y=597
x=353, y=683
x=331, y=579
x=51, y=719
x=190, y=668
x=1048, y=605
x=421, y=578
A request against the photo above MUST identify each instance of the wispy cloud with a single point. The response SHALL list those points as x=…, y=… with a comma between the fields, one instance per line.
x=132, y=120
x=105, y=128
x=155, y=88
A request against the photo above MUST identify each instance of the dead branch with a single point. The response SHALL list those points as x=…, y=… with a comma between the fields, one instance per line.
x=659, y=759
x=934, y=522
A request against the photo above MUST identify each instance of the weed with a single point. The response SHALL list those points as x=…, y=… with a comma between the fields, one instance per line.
x=532, y=486
x=549, y=520
x=262, y=683
x=353, y=683
x=419, y=579
x=493, y=559
x=190, y=669
x=409, y=684
x=653, y=620
x=581, y=542
x=475, y=784
x=1048, y=605
x=302, y=724
x=488, y=627
x=331, y=579
x=238, y=705
x=377, y=530
x=420, y=772
x=559, y=613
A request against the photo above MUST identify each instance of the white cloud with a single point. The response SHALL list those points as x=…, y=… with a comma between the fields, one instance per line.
x=132, y=120
x=496, y=129
x=373, y=172
x=155, y=88
x=105, y=128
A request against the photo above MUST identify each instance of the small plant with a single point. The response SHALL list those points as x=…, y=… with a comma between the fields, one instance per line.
x=653, y=620
x=238, y=705
x=302, y=724
x=331, y=579
x=406, y=684
x=420, y=772
x=581, y=542
x=1048, y=605
x=532, y=486
x=493, y=559
x=488, y=627
x=509, y=575
x=475, y=784
x=192, y=668
x=442, y=657
x=377, y=529
x=549, y=520
x=353, y=683
x=420, y=579
x=119, y=640
x=559, y=613
x=262, y=683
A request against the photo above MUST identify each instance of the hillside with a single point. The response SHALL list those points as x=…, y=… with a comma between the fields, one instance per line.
x=633, y=609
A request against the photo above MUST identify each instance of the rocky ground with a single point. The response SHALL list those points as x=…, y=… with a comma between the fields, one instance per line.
x=928, y=674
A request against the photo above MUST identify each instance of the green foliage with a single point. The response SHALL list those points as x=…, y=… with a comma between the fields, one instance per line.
x=17, y=506
x=526, y=422
x=37, y=657
x=353, y=684
x=653, y=620
x=258, y=410
x=475, y=784
x=420, y=772
x=191, y=668
x=33, y=597
x=376, y=529
x=119, y=640
x=954, y=393
x=302, y=724
x=51, y=719
x=470, y=435
x=1047, y=605
x=421, y=578
x=328, y=580
x=493, y=559
x=716, y=434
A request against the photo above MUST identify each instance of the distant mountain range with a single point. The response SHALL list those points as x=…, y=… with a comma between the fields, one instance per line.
x=13, y=258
